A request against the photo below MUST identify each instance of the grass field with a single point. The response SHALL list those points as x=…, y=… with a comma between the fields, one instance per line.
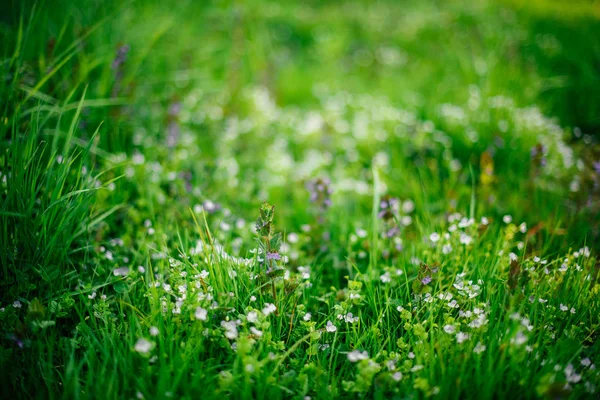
x=304, y=200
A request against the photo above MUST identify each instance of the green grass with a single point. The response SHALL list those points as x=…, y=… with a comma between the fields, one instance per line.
x=433, y=167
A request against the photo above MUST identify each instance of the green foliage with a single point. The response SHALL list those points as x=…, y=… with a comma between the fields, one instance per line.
x=435, y=168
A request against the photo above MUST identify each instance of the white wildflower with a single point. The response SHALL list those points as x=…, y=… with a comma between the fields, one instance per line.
x=461, y=337
x=252, y=316
x=201, y=314
x=449, y=329
x=479, y=348
x=143, y=346
x=256, y=331
x=385, y=278
x=122, y=271
x=330, y=327
x=357, y=355
x=269, y=308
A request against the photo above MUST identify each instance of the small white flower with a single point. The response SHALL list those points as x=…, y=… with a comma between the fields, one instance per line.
x=357, y=355
x=203, y=274
x=200, y=314
x=563, y=268
x=523, y=227
x=563, y=307
x=231, y=331
x=92, y=296
x=586, y=362
x=307, y=316
x=292, y=237
x=154, y=331
x=461, y=337
x=466, y=222
x=141, y=269
x=397, y=376
x=330, y=327
x=447, y=248
x=143, y=346
x=479, y=348
x=252, y=316
x=449, y=329
x=252, y=298
x=519, y=339
x=445, y=296
x=507, y=219
x=256, y=331
x=465, y=239
x=122, y=271
x=434, y=237
x=385, y=278
x=17, y=304
x=350, y=318
x=428, y=298
x=269, y=308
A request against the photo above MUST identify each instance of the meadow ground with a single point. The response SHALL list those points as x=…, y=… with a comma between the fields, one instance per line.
x=305, y=200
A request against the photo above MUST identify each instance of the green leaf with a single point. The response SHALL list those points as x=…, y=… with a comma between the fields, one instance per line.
x=121, y=287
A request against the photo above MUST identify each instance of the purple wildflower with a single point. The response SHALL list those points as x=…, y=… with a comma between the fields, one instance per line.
x=273, y=255
x=386, y=208
x=120, y=57
x=320, y=192
x=172, y=134
x=392, y=232
x=174, y=109
x=538, y=149
x=117, y=67
x=426, y=280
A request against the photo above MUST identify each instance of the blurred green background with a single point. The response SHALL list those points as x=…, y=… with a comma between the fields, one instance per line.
x=420, y=54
